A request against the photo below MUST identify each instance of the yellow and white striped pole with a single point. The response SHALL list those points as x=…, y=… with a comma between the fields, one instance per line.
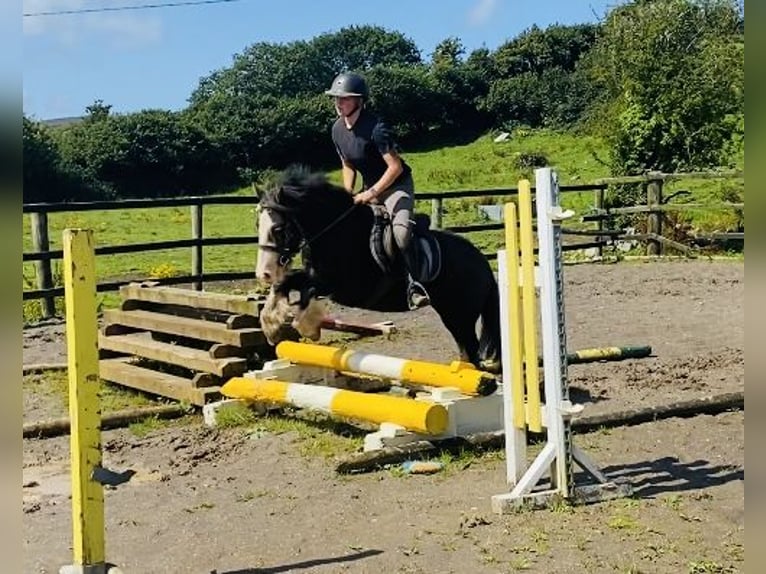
x=460, y=375
x=414, y=415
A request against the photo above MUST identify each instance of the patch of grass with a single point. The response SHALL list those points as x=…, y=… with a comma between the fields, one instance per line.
x=236, y=415
x=317, y=435
x=116, y=397
x=561, y=505
x=623, y=522
x=540, y=541
x=113, y=397
x=674, y=502
x=325, y=444
x=144, y=427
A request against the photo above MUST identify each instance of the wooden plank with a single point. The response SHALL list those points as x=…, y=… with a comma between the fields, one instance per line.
x=242, y=321
x=595, y=213
x=242, y=304
x=222, y=351
x=206, y=380
x=184, y=327
x=155, y=382
x=728, y=174
x=142, y=345
x=238, y=321
x=381, y=328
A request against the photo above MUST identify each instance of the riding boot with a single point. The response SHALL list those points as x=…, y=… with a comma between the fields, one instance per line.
x=417, y=296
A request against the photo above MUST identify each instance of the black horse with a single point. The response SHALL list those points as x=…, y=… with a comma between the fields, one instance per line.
x=307, y=214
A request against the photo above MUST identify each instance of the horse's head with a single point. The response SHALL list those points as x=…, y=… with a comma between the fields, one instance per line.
x=300, y=209
x=279, y=241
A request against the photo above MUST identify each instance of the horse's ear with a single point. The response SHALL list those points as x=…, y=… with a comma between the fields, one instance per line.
x=257, y=192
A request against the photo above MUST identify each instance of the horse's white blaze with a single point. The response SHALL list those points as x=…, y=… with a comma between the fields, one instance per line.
x=267, y=268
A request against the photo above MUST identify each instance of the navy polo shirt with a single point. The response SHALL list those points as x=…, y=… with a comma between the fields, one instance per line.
x=363, y=146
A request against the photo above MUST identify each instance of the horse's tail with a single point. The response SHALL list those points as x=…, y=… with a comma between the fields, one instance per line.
x=489, y=334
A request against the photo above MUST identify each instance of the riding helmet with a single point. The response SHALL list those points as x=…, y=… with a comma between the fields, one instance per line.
x=348, y=84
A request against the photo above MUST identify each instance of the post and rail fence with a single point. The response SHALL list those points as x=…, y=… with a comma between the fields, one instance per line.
x=598, y=237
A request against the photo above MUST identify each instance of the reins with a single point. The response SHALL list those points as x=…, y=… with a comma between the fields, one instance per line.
x=286, y=255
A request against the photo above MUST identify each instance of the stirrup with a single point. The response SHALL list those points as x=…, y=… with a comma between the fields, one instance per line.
x=417, y=296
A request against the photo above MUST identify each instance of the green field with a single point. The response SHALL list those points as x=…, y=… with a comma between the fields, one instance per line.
x=482, y=164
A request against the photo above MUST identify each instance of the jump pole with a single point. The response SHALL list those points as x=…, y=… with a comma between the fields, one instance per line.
x=518, y=281
x=414, y=415
x=462, y=376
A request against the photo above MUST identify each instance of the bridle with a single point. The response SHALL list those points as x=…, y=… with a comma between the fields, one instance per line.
x=292, y=243
x=295, y=238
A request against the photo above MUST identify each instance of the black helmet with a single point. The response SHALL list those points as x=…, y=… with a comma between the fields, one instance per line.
x=348, y=84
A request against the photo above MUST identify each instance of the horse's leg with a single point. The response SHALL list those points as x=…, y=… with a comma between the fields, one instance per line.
x=462, y=326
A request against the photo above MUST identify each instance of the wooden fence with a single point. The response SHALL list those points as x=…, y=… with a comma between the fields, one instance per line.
x=600, y=234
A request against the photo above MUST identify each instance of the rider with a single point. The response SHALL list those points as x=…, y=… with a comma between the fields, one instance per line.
x=366, y=145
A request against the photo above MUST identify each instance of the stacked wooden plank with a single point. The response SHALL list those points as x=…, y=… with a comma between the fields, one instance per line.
x=179, y=343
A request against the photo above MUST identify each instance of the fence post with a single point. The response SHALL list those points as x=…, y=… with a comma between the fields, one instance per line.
x=654, y=218
x=436, y=213
x=598, y=204
x=196, y=221
x=44, y=277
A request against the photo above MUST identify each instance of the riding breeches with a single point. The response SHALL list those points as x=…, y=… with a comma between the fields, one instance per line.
x=399, y=201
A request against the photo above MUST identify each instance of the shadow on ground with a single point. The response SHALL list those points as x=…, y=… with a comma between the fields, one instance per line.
x=668, y=474
x=305, y=564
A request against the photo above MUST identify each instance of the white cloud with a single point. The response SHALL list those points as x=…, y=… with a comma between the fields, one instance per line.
x=482, y=11
x=123, y=29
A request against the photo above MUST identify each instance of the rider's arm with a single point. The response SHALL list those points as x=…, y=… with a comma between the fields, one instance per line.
x=393, y=170
x=383, y=139
x=349, y=177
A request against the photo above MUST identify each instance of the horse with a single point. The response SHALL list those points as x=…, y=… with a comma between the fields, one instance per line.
x=307, y=214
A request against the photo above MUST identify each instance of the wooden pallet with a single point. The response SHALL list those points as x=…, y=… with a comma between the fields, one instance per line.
x=179, y=343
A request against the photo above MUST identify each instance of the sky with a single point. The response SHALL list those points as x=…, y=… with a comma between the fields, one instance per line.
x=154, y=58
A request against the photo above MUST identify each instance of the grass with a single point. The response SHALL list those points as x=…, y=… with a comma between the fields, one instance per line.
x=481, y=164
x=318, y=435
x=55, y=383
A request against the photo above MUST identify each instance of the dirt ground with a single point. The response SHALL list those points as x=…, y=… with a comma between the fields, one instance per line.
x=239, y=501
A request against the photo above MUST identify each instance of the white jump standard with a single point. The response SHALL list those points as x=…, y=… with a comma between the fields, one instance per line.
x=522, y=404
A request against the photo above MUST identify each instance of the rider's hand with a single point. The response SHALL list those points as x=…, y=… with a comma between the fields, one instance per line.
x=364, y=197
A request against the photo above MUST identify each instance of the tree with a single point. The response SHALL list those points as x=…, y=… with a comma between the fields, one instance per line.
x=404, y=96
x=672, y=73
x=98, y=111
x=362, y=48
x=45, y=177
x=145, y=154
x=305, y=68
x=535, y=79
x=536, y=50
x=457, y=88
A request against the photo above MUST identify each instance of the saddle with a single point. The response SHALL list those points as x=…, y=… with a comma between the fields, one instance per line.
x=387, y=255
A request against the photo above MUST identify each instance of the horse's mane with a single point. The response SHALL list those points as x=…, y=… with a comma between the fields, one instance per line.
x=297, y=186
